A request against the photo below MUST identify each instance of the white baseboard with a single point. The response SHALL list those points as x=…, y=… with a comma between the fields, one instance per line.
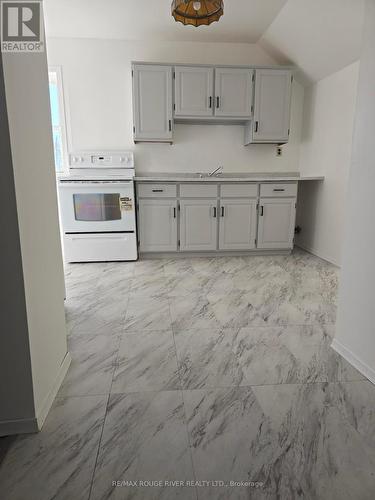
x=47, y=403
x=317, y=254
x=347, y=354
x=21, y=426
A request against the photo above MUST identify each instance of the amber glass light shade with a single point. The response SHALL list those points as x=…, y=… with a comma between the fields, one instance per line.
x=186, y=12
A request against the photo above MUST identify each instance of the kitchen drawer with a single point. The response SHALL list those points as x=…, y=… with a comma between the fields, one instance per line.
x=157, y=190
x=281, y=189
x=198, y=191
x=100, y=247
x=242, y=190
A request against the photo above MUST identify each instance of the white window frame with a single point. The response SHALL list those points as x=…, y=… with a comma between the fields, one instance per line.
x=62, y=113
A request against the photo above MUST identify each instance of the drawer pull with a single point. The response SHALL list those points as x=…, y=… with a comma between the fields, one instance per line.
x=158, y=190
x=279, y=190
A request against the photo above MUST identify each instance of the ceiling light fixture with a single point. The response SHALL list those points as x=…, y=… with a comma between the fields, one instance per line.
x=196, y=13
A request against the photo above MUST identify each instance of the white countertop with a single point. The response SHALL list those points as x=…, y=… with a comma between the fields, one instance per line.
x=234, y=177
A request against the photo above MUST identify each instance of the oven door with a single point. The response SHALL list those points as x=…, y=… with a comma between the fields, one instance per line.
x=97, y=206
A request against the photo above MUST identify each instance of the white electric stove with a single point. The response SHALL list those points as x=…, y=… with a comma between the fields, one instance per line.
x=97, y=206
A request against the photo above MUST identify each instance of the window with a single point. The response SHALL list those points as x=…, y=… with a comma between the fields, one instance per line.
x=58, y=119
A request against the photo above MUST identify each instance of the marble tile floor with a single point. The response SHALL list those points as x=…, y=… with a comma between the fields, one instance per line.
x=214, y=372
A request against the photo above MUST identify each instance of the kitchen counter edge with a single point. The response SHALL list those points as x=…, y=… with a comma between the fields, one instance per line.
x=242, y=178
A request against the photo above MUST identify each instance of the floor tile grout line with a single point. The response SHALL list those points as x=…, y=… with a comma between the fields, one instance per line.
x=183, y=400
x=189, y=442
x=105, y=415
x=98, y=450
x=220, y=387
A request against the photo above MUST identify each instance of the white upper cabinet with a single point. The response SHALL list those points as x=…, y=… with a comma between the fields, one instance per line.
x=194, y=91
x=260, y=99
x=276, y=223
x=233, y=92
x=152, y=103
x=271, y=106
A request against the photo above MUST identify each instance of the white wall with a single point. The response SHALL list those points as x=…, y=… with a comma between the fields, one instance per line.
x=97, y=83
x=326, y=148
x=27, y=97
x=17, y=412
x=355, y=332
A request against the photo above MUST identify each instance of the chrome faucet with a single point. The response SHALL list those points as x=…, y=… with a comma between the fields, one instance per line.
x=211, y=174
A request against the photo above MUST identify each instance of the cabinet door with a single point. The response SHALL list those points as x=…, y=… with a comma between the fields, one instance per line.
x=272, y=105
x=157, y=222
x=152, y=103
x=233, y=92
x=238, y=219
x=276, y=222
x=198, y=225
x=193, y=91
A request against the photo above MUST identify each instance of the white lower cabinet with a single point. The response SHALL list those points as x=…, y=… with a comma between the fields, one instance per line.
x=205, y=217
x=157, y=225
x=276, y=223
x=198, y=225
x=238, y=222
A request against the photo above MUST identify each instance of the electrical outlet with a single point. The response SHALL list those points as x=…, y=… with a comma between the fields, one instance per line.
x=279, y=151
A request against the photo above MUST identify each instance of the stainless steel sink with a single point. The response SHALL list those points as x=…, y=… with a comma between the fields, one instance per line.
x=206, y=175
x=215, y=173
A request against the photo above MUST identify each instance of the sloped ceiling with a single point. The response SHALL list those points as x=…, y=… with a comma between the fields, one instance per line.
x=319, y=36
x=244, y=20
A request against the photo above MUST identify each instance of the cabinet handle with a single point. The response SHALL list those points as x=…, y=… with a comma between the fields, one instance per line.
x=279, y=190
x=218, y=102
x=222, y=211
x=174, y=212
x=262, y=211
x=170, y=125
x=158, y=190
x=210, y=105
x=256, y=126
x=214, y=212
